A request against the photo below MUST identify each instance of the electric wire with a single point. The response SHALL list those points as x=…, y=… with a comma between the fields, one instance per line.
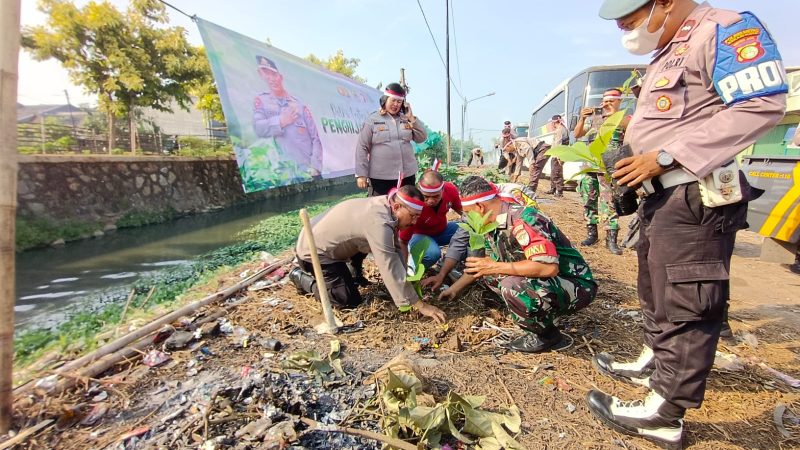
x=455, y=42
x=437, y=48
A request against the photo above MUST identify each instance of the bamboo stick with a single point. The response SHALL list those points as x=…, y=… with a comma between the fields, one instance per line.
x=21, y=437
x=9, y=55
x=330, y=321
x=154, y=326
x=127, y=304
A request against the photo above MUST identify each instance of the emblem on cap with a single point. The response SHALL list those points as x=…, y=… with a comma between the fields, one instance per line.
x=664, y=103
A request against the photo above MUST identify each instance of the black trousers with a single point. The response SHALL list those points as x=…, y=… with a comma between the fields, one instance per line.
x=684, y=252
x=382, y=187
x=342, y=290
x=471, y=157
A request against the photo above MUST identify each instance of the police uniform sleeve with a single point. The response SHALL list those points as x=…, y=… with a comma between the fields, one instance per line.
x=316, y=144
x=390, y=265
x=363, y=148
x=265, y=124
x=418, y=133
x=535, y=245
x=751, y=81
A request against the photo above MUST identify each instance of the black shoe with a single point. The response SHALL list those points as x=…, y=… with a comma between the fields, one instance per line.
x=550, y=192
x=591, y=237
x=361, y=281
x=559, y=193
x=537, y=343
x=794, y=268
x=304, y=282
x=725, y=332
x=611, y=242
x=637, y=372
x=653, y=418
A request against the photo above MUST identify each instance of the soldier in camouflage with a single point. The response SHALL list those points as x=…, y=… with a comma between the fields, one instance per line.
x=598, y=207
x=533, y=267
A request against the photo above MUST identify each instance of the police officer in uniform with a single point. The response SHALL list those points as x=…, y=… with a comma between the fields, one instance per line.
x=276, y=114
x=533, y=267
x=715, y=85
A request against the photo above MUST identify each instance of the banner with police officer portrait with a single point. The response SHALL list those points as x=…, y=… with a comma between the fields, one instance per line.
x=289, y=121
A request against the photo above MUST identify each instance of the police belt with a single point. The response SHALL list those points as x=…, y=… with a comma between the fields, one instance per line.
x=666, y=180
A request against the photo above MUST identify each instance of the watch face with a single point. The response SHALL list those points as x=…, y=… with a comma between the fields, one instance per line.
x=664, y=159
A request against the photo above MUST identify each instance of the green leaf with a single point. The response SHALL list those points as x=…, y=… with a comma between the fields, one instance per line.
x=504, y=438
x=577, y=152
x=428, y=418
x=488, y=443
x=476, y=241
x=584, y=172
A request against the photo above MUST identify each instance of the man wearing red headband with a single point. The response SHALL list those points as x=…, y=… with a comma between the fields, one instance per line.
x=350, y=230
x=533, y=267
x=432, y=225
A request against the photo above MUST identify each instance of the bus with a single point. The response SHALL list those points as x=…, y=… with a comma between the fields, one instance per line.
x=585, y=89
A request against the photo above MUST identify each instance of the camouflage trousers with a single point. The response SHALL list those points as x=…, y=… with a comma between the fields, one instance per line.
x=535, y=303
x=598, y=205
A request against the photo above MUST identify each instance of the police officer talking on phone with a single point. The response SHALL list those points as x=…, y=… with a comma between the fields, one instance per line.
x=716, y=83
x=384, y=155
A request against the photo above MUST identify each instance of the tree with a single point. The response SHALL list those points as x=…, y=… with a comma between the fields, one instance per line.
x=128, y=59
x=340, y=64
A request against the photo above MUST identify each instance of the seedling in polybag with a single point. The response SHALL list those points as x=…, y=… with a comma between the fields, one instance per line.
x=477, y=227
x=415, y=272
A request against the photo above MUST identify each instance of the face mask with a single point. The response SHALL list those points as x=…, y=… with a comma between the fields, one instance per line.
x=639, y=41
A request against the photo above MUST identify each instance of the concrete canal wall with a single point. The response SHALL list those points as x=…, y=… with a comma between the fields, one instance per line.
x=102, y=189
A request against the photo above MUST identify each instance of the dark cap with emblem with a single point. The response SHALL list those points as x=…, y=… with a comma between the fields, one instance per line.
x=617, y=9
x=265, y=63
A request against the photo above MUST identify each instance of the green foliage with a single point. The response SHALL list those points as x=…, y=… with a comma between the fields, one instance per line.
x=40, y=232
x=339, y=63
x=494, y=175
x=141, y=218
x=592, y=153
x=196, y=146
x=457, y=415
x=417, y=253
x=478, y=226
x=321, y=367
x=129, y=59
x=29, y=150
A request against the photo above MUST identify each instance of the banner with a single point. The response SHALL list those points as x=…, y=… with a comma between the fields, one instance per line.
x=289, y=121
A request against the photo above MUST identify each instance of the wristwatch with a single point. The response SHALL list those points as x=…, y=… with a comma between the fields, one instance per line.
x=665, y=160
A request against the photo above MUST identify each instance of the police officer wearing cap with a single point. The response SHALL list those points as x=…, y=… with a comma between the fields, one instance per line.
x=716, y=83
x=384, y=155
x=276, y=114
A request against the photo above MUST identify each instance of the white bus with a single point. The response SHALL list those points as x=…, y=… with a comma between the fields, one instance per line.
x=585, y=89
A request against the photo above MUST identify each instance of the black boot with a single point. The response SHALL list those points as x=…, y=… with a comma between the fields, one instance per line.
x=303, y=281
x=537, y=342
x=635, y=372
x=611, y=242
x=357, y=270
x=794, y=268
x=653, y=418
x=591, y=238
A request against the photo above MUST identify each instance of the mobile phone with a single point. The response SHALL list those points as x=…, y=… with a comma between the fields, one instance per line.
x=598, y=111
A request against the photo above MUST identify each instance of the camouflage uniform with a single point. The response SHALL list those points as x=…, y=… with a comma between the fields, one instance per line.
x=596, y=195
x=525, y=233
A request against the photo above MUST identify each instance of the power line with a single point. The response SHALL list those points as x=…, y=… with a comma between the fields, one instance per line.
x=455, y=42
x=437, y=47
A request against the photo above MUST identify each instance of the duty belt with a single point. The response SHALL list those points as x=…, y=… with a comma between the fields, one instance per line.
x=666, y=180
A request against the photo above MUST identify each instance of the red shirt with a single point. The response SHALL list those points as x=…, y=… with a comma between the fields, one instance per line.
x=432, y=222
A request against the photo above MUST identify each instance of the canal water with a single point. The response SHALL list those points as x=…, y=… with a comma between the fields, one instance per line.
x=52, y=281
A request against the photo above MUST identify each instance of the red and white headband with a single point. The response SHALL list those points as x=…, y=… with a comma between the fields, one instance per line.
x=612, y=97
x=394, y=94
x=431, y=189
x=411, y=202
x=481, y=197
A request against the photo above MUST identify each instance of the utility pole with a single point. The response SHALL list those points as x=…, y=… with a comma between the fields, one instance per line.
x=72, y=119
x=9, y=56
x=403, y=80
x=447, y=52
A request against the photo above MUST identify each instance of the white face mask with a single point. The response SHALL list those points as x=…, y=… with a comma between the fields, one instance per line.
x=640, y=41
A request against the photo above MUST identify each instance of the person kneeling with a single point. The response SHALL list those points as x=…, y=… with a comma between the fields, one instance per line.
x=346, y=233
x=533, y=266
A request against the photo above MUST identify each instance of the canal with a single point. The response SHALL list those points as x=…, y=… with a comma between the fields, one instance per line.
x=53, y=281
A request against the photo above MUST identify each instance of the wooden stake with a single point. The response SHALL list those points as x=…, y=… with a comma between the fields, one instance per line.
x=391, y=442
x=329, y=326
x=127, y=304
x=9, y=55
x=25, y=434
x=147, y=299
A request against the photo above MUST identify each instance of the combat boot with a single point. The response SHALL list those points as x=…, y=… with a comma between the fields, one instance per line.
x=637, y=372
x=725, y=332
x=303, y=281
x=794, y=268
x=537, y=342
x=653, y=418
x=591, y=239
x=611, y=242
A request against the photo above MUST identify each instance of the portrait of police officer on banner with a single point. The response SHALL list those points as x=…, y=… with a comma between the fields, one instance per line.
x=286, y=119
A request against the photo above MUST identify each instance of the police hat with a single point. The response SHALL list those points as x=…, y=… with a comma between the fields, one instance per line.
x=617, y=9
x=265, y=63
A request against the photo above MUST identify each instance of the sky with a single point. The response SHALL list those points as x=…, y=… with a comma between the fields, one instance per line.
x=518, y=49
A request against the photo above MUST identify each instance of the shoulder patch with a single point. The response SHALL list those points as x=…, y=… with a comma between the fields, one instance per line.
x=748, y=63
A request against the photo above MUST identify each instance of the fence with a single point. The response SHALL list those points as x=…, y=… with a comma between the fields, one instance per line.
x=48, y=138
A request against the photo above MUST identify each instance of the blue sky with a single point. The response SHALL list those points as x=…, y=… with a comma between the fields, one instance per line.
x=518, y=49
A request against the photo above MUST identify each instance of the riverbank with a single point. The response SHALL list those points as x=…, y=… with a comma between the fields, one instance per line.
x=231, y=382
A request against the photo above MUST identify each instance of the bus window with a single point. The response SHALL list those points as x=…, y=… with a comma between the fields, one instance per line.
x=601, y=81
x=546, y=112
x=576, y=92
